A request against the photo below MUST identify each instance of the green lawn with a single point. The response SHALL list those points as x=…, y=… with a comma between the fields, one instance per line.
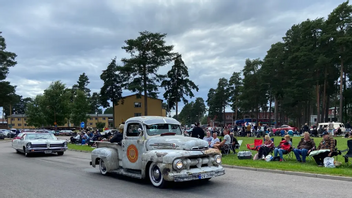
x=80, y=147
x=290, y=164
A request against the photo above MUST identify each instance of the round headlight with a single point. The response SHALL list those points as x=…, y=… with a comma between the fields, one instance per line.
x=218, y=159
x=178, y=164
x=29, y=145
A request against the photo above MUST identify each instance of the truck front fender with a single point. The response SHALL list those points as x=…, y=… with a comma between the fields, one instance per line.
x=109, y=155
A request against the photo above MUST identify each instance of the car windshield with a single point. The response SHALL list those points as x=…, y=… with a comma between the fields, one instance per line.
x=41, y=136
x=157, y=129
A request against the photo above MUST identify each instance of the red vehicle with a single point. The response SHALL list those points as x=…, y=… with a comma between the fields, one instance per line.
x=285, y=127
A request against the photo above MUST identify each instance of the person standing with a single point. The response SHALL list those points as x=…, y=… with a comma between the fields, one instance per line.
x=197, y=132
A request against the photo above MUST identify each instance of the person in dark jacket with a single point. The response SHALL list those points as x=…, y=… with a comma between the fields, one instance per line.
x=197, y=132
x=117, y=137
x=305, y=146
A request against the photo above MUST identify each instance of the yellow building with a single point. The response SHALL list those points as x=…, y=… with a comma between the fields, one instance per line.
x=94, y=118
x=133, y=106
x=19, y=121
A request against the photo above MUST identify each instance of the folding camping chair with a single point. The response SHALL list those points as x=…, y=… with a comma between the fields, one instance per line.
x=256, y=145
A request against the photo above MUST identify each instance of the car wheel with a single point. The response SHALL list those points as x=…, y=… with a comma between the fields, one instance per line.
x=60, y=153
x=102, y=167
x=156, y=176
x=26, y=152
x=17, y=151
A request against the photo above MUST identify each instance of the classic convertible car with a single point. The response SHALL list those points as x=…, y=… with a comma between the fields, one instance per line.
x=47, y=143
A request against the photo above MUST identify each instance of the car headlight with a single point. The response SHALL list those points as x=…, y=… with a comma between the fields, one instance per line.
x=218, y=159
x=29, y=145
x=65, y=144
x=178, y=164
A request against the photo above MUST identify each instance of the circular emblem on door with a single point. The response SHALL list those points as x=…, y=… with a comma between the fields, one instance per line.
x=132, y=153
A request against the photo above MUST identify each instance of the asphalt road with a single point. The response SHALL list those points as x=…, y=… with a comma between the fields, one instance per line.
x=71, y=176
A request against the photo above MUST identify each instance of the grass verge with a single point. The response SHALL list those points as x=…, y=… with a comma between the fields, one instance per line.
x=80, y=147
x=290, y=164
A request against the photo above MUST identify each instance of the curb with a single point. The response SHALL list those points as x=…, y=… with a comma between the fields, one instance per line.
x=79, y=151
x=321, y=176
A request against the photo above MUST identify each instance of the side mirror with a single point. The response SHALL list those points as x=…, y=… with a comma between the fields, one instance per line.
x=140, y=131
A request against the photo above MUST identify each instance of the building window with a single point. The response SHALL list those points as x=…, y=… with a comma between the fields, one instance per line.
x=137, y=114
x=96, y=118
x=18, y=124
x=12, y=119
x=25, y=119
x=18, y=119
x=90, y=123
x=103, y=118
x=25, y=124
x=137, y=104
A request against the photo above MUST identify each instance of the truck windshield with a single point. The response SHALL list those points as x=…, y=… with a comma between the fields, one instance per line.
x=157, y=129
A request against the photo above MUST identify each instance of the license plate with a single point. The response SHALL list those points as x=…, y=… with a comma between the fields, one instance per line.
x=204, y=176
x=47, y=152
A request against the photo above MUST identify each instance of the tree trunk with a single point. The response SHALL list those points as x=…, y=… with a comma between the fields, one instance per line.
x=327, y=108
x=324, y=96
x=176, y=110
x=344, y=99
x=318, y=102
x=145, y=90
x=270, y=111
x=275, y=113
x=341, y=97
x=236, y=110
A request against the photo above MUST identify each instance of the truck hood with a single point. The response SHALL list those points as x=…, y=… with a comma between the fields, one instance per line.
x=176, y=142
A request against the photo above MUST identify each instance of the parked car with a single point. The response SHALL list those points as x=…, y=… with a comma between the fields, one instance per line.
x=154, y=147
x=284, y=127
x=2, y=136
x=47, y=143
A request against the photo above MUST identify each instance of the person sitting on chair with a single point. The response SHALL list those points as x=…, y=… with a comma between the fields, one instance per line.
x=227, y=140
x=234, y=142
x=326, y=143
x=208, y=138
x=265, y=149
x=305, y=146
x=214, y=140
x=284, y=147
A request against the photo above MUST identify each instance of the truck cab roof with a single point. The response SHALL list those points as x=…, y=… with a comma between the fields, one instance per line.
x=150, y=120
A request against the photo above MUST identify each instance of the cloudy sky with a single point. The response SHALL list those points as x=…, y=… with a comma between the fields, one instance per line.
x=59, y=40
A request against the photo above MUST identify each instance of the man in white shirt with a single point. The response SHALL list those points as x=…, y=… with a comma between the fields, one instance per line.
x=227, y=140
x=208, y=138
x=214, y=140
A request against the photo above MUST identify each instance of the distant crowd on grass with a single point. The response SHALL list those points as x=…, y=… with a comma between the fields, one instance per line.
x=306, y=147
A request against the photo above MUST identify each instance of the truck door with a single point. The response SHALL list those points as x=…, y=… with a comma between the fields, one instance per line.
x=132, y=146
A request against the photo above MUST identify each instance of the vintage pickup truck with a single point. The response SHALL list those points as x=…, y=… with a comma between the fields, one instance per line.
x=154, y=147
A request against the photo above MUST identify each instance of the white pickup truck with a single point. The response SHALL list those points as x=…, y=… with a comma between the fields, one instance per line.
x=155, y=148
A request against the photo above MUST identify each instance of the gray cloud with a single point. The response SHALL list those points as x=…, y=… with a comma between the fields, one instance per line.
x=59, y=40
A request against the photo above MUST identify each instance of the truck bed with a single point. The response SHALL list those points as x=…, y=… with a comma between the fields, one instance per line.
x=107, y=145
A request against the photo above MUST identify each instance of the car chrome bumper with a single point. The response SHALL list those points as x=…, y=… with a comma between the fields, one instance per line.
x=47, y=150
x=196, y=174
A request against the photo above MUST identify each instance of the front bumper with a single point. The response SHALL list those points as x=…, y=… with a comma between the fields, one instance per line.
x=195, y=174
x=47, y=150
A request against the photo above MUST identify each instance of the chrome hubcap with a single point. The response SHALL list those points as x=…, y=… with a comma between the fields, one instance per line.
x=156, y=174
x=103, y=168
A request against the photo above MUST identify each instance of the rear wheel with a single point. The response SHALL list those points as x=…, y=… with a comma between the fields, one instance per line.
x=102, y=167
x=156, y=176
